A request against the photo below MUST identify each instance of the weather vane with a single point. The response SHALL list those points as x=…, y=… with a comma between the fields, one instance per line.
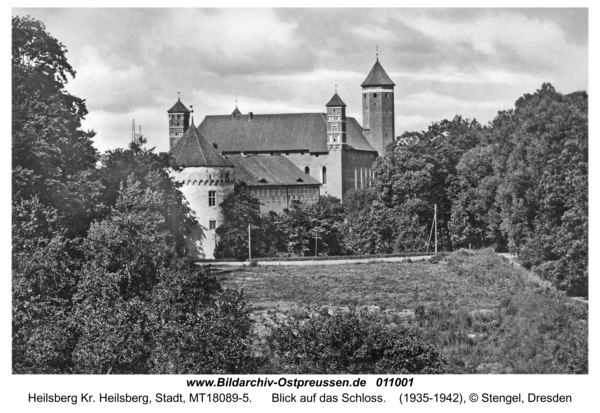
x=377, y=51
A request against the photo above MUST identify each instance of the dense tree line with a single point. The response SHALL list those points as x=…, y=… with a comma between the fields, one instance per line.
x=519, y=184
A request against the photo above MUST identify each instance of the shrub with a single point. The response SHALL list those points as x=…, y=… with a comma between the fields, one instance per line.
x=349, y=343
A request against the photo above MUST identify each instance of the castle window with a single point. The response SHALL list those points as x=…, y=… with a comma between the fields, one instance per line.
x=212, y=198
x=334, y=127
x=324, y=176
x=212, y=224
x=307, y=170
x=386, y=95
x=374, y=95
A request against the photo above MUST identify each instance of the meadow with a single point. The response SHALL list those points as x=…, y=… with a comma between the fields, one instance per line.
x=482, y=312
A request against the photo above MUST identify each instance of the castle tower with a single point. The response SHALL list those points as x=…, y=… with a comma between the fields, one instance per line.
x=207, y=178
x=336, y=120
x=378, y=108
x=179, y=122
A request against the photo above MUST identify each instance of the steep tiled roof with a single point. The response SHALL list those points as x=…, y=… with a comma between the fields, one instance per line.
x=335, y=101
x=236, y=111
x=355, y=137
x=277, y=133
x=377, y=77
x=178, y=107
x=192, y=149
x=265, y=170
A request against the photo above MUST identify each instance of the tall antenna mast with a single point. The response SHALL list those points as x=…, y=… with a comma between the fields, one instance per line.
x=135, y=137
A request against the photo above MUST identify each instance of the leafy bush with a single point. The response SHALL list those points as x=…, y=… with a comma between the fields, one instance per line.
x=349, y=343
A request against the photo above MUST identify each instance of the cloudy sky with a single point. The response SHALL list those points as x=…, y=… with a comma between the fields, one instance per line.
x=473, y=62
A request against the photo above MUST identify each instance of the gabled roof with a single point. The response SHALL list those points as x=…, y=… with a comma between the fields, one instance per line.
x=355, y=136
x=377, y=77
x=335, y=101
x=293, y=132
x=192, y=149
x=236, y=111
x=178, y=107
x=265, y=170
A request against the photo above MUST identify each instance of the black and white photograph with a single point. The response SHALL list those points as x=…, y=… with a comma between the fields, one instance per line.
x=242, y=194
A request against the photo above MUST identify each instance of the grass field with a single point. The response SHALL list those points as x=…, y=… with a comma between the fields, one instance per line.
x=483, y=313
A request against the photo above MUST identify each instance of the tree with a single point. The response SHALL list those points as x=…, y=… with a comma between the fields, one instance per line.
x=196, y=327
x=418, y=171
x=142, y=308
x=240, y=210
x=370, y=227
x=475, y=215
x=349, y=343
x=150, y=171
x=43, y=278
x=543, y=194
x=327, y=217
x=48, y=146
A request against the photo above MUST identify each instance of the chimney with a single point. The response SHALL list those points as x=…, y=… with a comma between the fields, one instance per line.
x=250, y=115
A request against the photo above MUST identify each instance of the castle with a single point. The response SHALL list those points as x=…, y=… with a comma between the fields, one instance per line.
x=281, y=157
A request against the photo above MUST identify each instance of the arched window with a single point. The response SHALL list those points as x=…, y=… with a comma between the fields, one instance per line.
x=307, y=170
x=324, y=177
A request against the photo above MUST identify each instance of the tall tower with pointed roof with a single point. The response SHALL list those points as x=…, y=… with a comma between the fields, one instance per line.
x=179, y=122
x=378, y=108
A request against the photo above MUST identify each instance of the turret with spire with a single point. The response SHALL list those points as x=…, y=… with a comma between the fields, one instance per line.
x=179, y=121
x=236, y=111
x=336, y=120
x=378, y=107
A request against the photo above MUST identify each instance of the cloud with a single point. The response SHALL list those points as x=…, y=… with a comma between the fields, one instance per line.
x=108, y=88
x=235, y=41
x=132, y=62
x=535, y=45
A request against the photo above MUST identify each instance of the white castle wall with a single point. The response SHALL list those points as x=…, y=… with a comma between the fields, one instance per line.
x=197, y=183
